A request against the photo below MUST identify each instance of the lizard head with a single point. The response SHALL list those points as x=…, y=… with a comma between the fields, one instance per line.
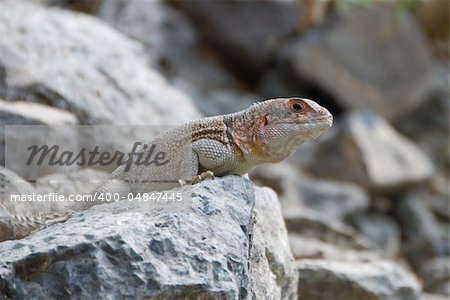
x=284, y=124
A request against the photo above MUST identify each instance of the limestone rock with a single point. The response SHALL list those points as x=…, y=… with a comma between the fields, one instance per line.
x=319, y=279
x=381, y=231
x=428, y=125
x=363, y=148
x=389, y=71
x=26, y=113
x=298, y=191
x=206, y=247
x=435, y=274
x=272, y=274
x=222, y=24
x=423, y=236
x=315, y=225
x=173, y=46
x=75, y=62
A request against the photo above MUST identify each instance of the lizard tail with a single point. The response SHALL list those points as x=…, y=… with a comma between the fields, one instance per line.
x=25, y=225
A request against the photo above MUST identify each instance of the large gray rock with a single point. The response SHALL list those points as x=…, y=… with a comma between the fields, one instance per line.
x=381, y=231
x=435, y=274
x=363, y=148
x=26, y=113
x=298, y=192
x=389, y=70
x=75, y=62
x=273, y=276
x=314, y=235
x=304, y=247
x=426, y=296
x=150, y=22
x=318, y=226
x=86, y=6
x=174, y=48
x=428, y=125
x=423, y=236
x=438, y=195
x=245, y=33
x=320, y=279
x=207, y=247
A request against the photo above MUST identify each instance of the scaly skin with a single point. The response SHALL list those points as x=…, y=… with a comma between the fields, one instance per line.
x=266, y=132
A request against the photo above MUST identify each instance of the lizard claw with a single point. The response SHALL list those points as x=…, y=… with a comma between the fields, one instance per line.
x=197, y=178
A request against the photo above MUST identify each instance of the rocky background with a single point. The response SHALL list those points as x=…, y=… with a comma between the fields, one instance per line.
x=361, y=213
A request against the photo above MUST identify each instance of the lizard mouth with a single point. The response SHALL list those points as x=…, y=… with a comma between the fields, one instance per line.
x=325, y=122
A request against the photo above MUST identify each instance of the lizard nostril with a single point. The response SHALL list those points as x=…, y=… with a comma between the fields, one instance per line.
x=322, y=112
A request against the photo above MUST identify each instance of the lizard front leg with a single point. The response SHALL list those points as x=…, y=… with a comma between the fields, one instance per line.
x=209, y=157
x=195, y=167
x=215, y=156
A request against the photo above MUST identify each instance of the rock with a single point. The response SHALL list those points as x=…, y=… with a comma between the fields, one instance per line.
x=431, y=133
x=25, y=113
x=150, y=22
x=315, y=225
x=372, y=153
x=201, y=248
x=381, y=231
x=304, y=247
x=435, y=274
x=423, y=237
x=226, y=100
x=173, y=47
x=85, y=6
x=336, y=199
x=283, y=179
x=298, y=191
x=222, y=24
x=439, y=196
x=389, y=71
x=273, y=275
x=426, y=296
x=320, y=279
x=112, y=82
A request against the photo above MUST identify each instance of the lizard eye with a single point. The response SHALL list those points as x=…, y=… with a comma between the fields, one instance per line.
x=297, y=107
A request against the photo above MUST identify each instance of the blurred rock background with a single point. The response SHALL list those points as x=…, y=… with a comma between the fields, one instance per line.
x=366, y=206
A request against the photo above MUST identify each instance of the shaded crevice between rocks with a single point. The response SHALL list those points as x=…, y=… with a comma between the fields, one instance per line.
x=39, y=93
x=308, y=89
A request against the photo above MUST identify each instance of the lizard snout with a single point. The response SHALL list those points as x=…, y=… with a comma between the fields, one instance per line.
x=326, y=115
